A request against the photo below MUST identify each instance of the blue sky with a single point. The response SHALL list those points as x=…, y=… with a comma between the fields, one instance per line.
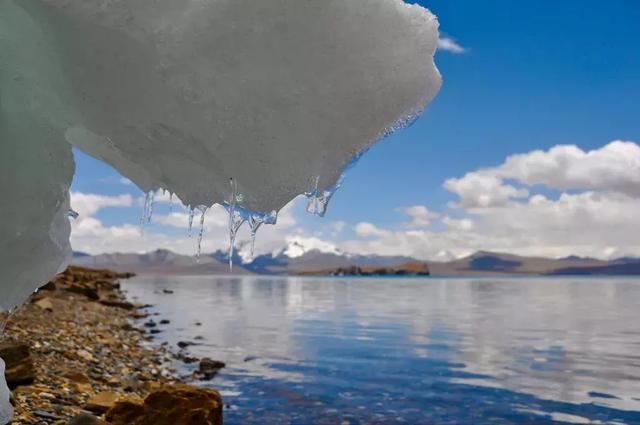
x=533, y=75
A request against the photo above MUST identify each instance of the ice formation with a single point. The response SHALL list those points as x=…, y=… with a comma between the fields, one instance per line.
x=186, y=94
x=6, y=410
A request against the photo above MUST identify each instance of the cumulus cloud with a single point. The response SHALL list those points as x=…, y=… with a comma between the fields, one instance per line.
x=367, y=230
x=88, y=204
x=481, y=190
x=298, y=245
x=450, y=45
x=463, y=225
x=590, y=208
x=420, y=215
x=613, y=167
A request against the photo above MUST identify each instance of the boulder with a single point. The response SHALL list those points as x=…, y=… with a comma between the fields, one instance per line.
x=86, y=419
x=209, y=368
x=45, y=304
x=170, y=405
x=102, y=402
x=20, y=369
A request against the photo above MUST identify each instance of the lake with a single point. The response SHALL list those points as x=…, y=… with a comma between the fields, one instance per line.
x=415, y=351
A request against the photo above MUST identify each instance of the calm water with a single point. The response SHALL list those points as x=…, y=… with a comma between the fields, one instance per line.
x=415, y=351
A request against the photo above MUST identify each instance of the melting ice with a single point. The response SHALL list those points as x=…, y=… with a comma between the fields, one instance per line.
x=271, y=92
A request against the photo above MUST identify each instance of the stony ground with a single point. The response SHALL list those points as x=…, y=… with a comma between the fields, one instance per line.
x=72, y=348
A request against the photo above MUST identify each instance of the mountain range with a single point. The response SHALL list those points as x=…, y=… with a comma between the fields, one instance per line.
x=302, y=261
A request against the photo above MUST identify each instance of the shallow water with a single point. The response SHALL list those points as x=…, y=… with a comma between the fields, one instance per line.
x=417, y=351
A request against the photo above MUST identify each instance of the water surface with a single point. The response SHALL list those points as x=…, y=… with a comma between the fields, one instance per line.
x=417, y=351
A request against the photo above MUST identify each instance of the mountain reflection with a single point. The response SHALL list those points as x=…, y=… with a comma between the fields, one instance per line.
x=376, y=350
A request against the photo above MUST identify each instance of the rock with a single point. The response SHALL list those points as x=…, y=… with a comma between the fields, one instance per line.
x=102, y=402
x=19, y=363
x=209, y=368
x=150, y=324
x=45, y=415
x=87, y=291
x=165, y=322
x=186, y=358
x=117, y=303
x=85, y=355
x=130, y=328
x=170, y=405
x=49, y=286
x=167, y=291
x=86, y=419
x=77, y=377
x=45, y=304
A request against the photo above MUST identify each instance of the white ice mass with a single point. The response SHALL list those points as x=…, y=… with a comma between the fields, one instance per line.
x=6, y=410
x=185, y=95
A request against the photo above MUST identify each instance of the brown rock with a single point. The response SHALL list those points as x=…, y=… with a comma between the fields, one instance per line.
x=49, y=286
x=45, y=304
x=102, y=402
x=86, y=419
x=87, y=291
x=77, y=377
x=19, y=363
x=209, y=368
x=117, y=303
x=171, y=405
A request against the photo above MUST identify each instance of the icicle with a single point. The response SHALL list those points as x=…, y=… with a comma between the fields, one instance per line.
x=145, y=212
x=255, y=221
x=171, y=202
x=236, y=219
x=239, y=215
x=151, y=203
x=318, y=201
x=204, y=210
x=191, y=215
x=73, y=214
x=254, y=225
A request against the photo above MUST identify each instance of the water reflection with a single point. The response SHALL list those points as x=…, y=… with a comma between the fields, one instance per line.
x=380, y=351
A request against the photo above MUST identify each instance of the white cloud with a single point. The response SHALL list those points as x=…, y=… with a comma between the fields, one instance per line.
x=448, y=44
x=215, y=216
x=595, y=215
x=299, y=245
x=367, y=230
x=88, y=204
x=337, y=226
x=419, y=214
x=480, y=190
x=614, y=167
x=463, y=225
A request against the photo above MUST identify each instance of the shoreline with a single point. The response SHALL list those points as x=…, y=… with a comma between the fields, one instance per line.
x=74, y=348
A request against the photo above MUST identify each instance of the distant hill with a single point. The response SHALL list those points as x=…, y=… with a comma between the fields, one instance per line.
x=497, y=264
x=297, y=260
x=161, y=261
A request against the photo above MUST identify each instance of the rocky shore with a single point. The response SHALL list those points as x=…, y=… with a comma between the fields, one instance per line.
x=74, y=356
